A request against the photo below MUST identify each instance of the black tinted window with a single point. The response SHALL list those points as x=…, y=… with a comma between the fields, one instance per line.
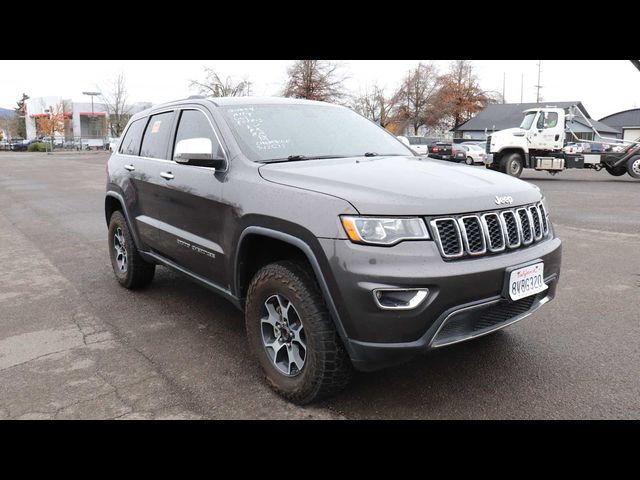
x=131, y=142
x=193, y=124
x=156, y=136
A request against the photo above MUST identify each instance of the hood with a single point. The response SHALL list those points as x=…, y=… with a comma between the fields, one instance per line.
x=403, y=185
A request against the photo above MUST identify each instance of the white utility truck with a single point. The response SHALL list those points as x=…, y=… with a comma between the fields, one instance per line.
x=538, y=141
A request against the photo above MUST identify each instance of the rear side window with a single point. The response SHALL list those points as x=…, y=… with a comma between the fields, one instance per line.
x=156, y=136
x=130, y=144
x=194, y=124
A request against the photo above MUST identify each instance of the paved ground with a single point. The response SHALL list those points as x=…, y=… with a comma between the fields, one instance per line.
x=73, y=344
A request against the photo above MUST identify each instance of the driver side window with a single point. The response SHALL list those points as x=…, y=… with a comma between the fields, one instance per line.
x=193, y=124
x=547, y=120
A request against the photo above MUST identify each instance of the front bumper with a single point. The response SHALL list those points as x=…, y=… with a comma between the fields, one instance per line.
x=459, y=292
x=488, y=160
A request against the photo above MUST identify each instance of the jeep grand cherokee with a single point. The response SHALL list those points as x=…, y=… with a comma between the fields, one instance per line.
x=343, y=248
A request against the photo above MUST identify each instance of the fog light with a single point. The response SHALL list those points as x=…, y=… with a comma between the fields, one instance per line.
x=399, y=298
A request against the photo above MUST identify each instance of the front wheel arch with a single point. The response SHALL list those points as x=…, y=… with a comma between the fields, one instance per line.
x=310, y=256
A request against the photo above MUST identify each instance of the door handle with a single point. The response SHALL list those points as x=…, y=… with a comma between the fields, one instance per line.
x=166, y=175
x=129, y=167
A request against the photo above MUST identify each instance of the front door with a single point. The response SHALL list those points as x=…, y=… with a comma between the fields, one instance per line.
x=547, y=131
x=193, y=206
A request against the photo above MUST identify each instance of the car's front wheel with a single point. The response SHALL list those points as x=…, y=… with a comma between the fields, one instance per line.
x=292, y=334
x=469, y=161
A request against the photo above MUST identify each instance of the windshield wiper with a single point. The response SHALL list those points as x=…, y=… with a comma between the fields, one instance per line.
x=298, y=158
x=374, y=154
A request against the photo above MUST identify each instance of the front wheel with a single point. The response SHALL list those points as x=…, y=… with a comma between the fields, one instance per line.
x=469, y=161
x=292, y=334
x=512, y=164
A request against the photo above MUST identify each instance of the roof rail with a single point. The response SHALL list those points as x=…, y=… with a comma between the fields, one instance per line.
x=192, y=97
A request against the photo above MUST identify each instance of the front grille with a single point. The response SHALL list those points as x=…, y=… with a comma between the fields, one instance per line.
x=450, y=240
x=469, y=324
x=491, y=232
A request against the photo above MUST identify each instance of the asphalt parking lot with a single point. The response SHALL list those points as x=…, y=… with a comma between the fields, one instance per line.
x=74, y=344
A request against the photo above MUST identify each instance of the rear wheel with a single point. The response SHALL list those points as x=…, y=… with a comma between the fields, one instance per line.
x=469, y=161
x=633, y=167
x=128, y=266
x=292, y=334
x=512, y=164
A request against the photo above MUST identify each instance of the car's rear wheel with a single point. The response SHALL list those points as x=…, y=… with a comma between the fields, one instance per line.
x=469, y=161
x=128, y=266
x=292, y=334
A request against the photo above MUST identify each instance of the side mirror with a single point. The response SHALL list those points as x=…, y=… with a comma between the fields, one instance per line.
x=197, y=152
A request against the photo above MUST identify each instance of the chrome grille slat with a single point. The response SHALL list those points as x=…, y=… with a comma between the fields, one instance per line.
x=526, y=228
x=472, y=235
x=490, y=232
x=494, y=232
x=545, y=224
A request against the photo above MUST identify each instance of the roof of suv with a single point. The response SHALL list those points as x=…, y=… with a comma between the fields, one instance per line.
x=228, y=101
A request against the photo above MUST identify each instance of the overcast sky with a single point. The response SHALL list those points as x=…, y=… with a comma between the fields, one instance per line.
x=604, y=86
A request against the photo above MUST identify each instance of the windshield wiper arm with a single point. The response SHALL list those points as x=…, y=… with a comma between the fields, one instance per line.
x=297, y=158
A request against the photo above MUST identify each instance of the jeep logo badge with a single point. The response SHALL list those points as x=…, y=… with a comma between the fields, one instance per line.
x=504, y=200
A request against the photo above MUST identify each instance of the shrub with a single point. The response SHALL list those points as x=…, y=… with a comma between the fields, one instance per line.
x=39, y=147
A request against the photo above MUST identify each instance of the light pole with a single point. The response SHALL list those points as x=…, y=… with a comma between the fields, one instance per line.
x=91, y=94
x=49, y=111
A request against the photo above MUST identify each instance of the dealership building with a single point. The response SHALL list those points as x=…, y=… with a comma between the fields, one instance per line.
x=82, y=120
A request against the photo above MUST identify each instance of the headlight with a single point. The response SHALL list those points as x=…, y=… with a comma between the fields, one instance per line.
x=384, y=231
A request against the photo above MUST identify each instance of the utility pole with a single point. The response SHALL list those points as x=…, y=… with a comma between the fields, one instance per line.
x=521, y=86
x=538, y=86
x=504, y=81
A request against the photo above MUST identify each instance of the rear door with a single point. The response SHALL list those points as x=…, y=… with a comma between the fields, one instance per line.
x=150, y=186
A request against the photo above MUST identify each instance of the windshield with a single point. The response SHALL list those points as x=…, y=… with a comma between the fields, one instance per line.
x=282, y=132
x=528, y=120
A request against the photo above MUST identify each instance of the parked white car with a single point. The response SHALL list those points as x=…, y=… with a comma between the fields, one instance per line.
x=574, y=148
x=475, y=153
x=113, y=144
x=417, y=144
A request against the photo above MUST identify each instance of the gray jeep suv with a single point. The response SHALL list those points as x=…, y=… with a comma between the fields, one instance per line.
x=343, y=248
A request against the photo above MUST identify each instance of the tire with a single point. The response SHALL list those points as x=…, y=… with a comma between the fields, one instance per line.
x=633, y=167
x=512, y=164
x=130, y=269
x=616, y=172
x=469, y=161
x=322, y=368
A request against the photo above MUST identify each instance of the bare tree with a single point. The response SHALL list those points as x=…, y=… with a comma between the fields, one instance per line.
x=117, y=108
x=315, y=80
x=414, y=100
x=460, y=95
x=375, y=105
x=213, y=86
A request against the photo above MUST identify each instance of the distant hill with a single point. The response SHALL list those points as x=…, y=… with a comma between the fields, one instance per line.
x=5, y=112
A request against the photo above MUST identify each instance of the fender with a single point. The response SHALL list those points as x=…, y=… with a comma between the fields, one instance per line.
x=125, y=211
x=306, y=249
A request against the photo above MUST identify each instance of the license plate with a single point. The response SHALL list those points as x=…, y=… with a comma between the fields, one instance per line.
x=445, y=156
x=527, y=281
